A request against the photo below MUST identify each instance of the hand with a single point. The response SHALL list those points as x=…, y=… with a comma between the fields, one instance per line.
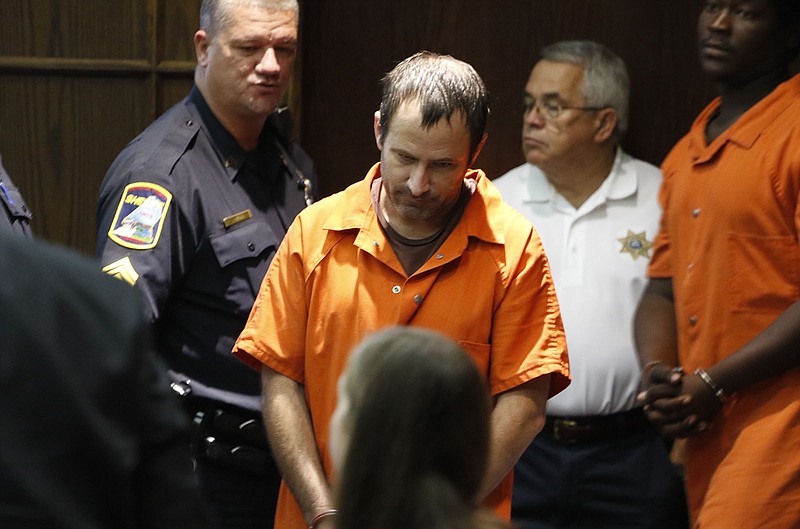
x=659, y=381
x=703, y=404
x=662, y=399
x=679, y=405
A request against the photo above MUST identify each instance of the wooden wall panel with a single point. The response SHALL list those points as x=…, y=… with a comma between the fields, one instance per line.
x=350, y=45
x=180, y=22
x=60, y=141
x=78, y=80
x=98, y=29
x=173, y=89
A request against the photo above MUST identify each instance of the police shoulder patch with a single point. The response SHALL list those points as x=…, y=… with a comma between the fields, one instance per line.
x=140, y=216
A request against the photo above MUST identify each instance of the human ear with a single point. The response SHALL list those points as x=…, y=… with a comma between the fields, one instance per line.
x=605, y=124
x=376, y=127
x=478, y=148
x=201, y=43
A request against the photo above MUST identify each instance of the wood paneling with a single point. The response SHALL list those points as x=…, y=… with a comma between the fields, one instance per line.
x=179, y=22
x=363, y=39
x=78, y=80
x=59, y=140
x=173, y=89
x=81, y=78
x=96, y=29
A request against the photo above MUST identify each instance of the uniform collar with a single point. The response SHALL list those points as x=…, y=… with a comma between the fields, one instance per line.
x=355, y=210
x=228, y=149
x=746, y=130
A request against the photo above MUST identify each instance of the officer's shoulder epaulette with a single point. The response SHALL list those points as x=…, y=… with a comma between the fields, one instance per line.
x=160, y=146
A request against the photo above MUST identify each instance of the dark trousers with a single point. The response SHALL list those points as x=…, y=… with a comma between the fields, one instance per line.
x=236, y=499
x=234, y=465
x=617, y=484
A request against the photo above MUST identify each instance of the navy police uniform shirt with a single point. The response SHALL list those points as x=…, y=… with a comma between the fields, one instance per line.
x=193, y=221
x=15, y=217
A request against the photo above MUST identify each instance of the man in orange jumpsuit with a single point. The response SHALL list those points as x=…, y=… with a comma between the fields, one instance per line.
x=424, y=241
x=718, y=328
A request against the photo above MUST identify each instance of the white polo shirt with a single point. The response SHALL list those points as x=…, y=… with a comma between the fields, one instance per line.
x=599, y=255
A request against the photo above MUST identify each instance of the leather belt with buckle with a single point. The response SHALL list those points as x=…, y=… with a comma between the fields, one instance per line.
x=596, y=428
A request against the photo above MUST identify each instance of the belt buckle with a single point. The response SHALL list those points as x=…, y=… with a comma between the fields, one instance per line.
x=558, y=424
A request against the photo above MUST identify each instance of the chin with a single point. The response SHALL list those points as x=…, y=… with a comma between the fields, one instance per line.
x=416, y=213
x=262, y=108
x=264, y=100
x=532, y=157
x=716, y=70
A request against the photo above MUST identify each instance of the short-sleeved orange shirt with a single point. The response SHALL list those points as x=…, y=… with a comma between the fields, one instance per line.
x=729, y=241
x=336, y=279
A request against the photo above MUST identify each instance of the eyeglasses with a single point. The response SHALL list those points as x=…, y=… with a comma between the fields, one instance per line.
x=550, y=108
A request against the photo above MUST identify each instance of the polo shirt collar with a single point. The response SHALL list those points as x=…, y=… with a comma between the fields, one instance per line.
x=621, y=182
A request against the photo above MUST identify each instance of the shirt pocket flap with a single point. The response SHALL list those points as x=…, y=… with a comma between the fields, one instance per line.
x=246, y=241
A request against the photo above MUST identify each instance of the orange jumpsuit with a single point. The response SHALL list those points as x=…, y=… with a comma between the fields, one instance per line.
x=729, y=241
x=336, y=278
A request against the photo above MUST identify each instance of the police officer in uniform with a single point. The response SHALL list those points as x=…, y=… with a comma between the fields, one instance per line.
x=191, y=212
x=15, y=217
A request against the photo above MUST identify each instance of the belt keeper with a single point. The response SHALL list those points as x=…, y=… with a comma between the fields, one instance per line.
x=720, y=393
x=321, y=516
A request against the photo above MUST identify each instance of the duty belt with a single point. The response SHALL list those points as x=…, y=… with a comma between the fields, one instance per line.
x=226, y=435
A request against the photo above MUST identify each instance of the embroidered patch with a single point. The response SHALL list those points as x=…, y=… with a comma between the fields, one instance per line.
x=636, y=244
x=140, y=216
x=122, y=269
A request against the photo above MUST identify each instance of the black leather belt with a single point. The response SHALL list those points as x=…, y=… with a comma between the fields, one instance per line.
x=596, y=428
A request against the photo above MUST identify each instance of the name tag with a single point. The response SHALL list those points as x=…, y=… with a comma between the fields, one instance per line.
x=237, y=218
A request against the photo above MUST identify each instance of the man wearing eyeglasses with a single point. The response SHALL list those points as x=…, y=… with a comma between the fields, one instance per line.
x=597, y=462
